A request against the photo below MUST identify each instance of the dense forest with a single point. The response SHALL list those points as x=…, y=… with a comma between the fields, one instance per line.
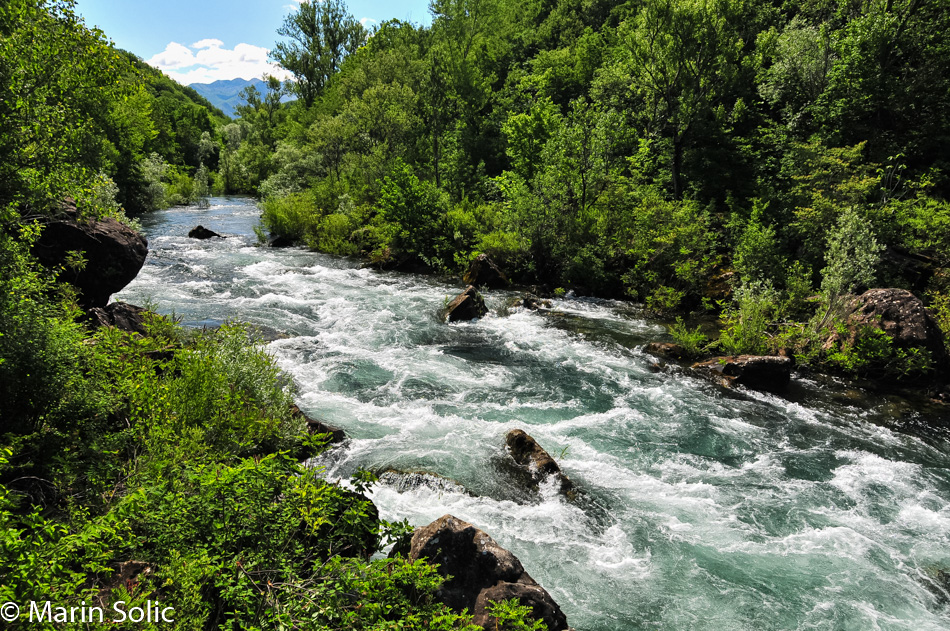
x=752, y=163
x=756, y=161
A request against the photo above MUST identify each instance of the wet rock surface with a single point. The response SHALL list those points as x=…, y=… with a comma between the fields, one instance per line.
x=760, y=372
x=666, y=350
x=482, y=572
x=121, y=315
x=535, y=461
x=468, y=305
x=200, y=232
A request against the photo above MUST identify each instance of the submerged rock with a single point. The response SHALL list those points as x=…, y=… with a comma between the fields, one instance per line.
x=901, y=315
x=200, y=232
x=483, y=272
x=532, y=303
x=121, y=315
x=538, y=463
x=337, y=435
x=403, y=481
x=468, y=305
x=113, y=254
x=753, y=371
x=481, y=572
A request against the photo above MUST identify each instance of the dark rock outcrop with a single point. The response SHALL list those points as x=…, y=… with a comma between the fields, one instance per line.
x=901, y=315
x=280, y=241
x=468, y=305
x=666, y=350
x=482, y=572
x=200, y=232
x=113, y=253
x=753, y=371
x=337, y=435
x=538, y=463
x=483, y=272
x=121, y=315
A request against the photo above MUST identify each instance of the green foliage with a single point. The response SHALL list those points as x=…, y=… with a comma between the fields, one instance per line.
x=41, y=362
x=757, y=255
x=320, y=35
x=852, y=256
x=417, y=210
x=872, y=353
x=693, y=341
x=746, y=322
x=511, y=615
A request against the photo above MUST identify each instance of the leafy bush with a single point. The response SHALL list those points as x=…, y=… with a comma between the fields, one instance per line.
x=693, y=341
x=873, y=354
x=293, y=216
x=746, y=323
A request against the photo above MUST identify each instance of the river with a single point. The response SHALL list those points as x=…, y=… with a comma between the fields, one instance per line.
x=700, y=509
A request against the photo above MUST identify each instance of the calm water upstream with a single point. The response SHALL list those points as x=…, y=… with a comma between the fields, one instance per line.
x=701, y=510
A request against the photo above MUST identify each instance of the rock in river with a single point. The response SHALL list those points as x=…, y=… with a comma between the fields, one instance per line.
x=200, y=232
x=753, y=371
x=468, y=305
x=482, y=572
x=538, y=463
x=121, y=315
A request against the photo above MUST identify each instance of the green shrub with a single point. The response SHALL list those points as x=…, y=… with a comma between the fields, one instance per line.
x=873, y=354
x=511, y=615
x=294, y=216
x=746, y=323
x=693, y=341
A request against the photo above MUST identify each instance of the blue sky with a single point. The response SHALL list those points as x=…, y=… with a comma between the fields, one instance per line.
x=199, y=41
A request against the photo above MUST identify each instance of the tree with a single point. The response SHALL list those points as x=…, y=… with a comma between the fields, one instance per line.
x=321, y=34
x=683, y=56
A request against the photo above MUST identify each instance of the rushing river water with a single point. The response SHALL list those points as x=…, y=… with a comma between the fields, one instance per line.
x=699, y=509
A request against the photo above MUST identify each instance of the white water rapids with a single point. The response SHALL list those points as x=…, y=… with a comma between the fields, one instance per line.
x=700, y=509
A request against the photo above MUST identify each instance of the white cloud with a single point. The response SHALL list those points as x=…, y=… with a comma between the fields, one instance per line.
x=213, y=62
x=207, y=43
x=367, y=22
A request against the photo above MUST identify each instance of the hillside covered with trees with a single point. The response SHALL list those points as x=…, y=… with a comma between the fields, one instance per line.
x=732, y=157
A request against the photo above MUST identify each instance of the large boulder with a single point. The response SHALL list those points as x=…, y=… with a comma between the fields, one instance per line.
x=481, y=572
x=468, y=305
x=121, y=315
x=200, y=232
x=535, y=461
x=753, y=371
x=901, y=315
x=483, y=272
x=113, y=252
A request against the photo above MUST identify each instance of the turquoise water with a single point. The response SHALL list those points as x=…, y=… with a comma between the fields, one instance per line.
x=700, y=509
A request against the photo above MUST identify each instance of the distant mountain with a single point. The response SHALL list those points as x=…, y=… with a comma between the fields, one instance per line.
x=225, y=94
